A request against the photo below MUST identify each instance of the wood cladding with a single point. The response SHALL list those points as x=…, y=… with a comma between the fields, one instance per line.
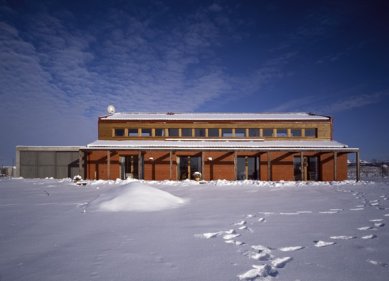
x=106, y=128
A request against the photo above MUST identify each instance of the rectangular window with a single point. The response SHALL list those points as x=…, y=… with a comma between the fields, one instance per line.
x=253, y=132
x=213, y=133
x=226, y=132
x=132, y=132
x=311, y=132
x=146, y=132
x=173, y=132
x=282, y=132
x=159, y=132
x=296, y=132
x=199, y=132
x=119, y=132
x=239, y=132
x=267, y=132
x=186, y=132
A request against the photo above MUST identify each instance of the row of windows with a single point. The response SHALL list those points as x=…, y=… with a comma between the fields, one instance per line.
x=215, y=132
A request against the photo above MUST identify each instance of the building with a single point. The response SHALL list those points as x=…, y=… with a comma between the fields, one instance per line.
x=231, y=146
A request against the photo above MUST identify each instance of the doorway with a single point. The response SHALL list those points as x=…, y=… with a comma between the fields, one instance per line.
x=187, y=166
x=129, y=167
x=247, y=168
x=309, y=171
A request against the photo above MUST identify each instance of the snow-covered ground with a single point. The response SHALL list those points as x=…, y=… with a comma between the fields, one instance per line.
x=219, y=231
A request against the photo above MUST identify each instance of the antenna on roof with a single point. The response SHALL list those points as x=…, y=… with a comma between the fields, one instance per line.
x=111, y=109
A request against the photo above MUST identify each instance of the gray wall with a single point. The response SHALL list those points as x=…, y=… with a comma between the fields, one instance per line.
x=48, y=163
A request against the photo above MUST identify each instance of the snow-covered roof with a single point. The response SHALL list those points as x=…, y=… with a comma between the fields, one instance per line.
x=326, y=145
x=213, y=116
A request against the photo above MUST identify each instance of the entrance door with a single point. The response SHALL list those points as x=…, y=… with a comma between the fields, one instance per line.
x=310, y=168
x=129, y=167
x=247, y=168
x=188, y=165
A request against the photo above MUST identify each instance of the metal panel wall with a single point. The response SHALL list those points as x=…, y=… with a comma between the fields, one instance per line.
x=42, y=164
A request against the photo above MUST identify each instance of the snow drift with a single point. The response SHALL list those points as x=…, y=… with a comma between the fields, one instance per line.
x=136, y=197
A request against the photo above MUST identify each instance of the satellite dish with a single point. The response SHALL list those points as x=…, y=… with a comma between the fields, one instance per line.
x=111, y=109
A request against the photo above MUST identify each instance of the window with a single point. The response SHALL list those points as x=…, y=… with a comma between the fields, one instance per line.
x=159, y=132
x=173, y=132
x=253, y=132
x=226, y=132
x=199, y=132
x=132, y=132
x=311, y=132
x=213, y=132
x=267, y=132
x=240, y=132
x=296, y=132
x=186, y=132
x=282, y=132
x=146, y=132
x=119, y=132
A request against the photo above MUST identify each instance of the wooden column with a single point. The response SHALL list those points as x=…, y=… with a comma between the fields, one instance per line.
x=189, y=168
x=170, y=165
x=108, y=164
x=202, y=164
x=335, y=165
x=269, y=176
x=357, y=166
x=246, y=168
x=235, y=168
x=140, y=171
x=302, y=168
x=81, y=164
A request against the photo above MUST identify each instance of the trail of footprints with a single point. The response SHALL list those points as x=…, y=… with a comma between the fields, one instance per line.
x=268, y=264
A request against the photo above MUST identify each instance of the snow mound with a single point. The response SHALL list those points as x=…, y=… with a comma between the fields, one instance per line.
x=136, y=197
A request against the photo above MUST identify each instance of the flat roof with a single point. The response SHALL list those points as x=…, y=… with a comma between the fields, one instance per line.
x=323, y=145
x=200, y=116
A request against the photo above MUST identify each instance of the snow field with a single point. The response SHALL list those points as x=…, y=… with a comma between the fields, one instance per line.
x=231, y=231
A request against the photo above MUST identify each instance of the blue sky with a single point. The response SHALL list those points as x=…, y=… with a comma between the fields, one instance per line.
x=63, y=62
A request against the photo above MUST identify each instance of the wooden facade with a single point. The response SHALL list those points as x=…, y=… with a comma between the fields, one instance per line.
x=268, y=147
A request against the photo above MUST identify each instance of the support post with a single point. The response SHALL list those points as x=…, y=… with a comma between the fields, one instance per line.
x=302, y=168
x=170, y=165
x=269, y=175
x=81, y=163
x=140, y=172
x=246, y=168
x=235, y=168
x=335, y=165
x=357, y=166
x=108, y=165
x=202, y=165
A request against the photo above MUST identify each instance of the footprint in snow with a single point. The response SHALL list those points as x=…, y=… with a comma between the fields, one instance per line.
x=263, y=219
x=280, y=262
x=365, y=228
x=357, y=209
x=379, y=224
x=240, y=223
x=378, y=263
x=371, y=236
x=258, y=271
x=328, y=212
x=386, y=215
x=291, y=248
x=230, y=236
x=342, y=237
x=234, y=242
x=321, y=243
x=376, y=220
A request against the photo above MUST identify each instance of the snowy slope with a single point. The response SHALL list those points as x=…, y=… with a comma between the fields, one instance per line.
x=50, y=230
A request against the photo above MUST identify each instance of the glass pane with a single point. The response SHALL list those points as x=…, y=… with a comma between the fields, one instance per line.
x=146, y=132
x=187, y=132
x=267, y=132
x=199, y=132
x=213, y=132
x=253, y=132
x=282, y=133
x=159, y=132
x=241, y=169
x=226, y=132
x=133, y=132
x=296, y=132
x=311, y=132
x=173, y=132
x=119, y=132
x=240, y=132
